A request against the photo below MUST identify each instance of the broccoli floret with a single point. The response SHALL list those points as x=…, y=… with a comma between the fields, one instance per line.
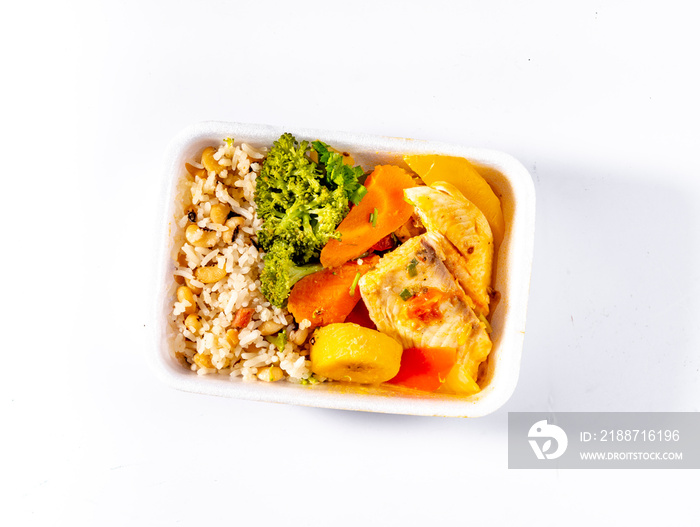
x=301, y=203
x=280, y=273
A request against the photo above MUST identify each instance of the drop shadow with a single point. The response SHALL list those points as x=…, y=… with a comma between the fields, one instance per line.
x=439, y=425
x=611, y=306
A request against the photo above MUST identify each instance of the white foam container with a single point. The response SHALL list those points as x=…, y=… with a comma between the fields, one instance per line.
x=509, y=179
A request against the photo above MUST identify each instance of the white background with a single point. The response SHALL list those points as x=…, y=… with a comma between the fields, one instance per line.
x=598, y=100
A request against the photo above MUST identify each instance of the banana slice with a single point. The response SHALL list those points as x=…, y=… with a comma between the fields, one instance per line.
x=348, y=352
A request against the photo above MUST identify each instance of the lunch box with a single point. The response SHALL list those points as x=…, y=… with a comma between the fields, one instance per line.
x=512, y=267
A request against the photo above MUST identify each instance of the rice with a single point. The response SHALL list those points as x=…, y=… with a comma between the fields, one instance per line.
x=205, y=346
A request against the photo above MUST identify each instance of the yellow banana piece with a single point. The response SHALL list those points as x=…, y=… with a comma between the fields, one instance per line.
x=348, y=352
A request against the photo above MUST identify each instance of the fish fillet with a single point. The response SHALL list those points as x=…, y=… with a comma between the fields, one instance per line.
x=443, y=209
x=424, y=306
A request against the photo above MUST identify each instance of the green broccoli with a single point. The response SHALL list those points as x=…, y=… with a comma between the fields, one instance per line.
x=279, y=340
x=301, y=203
x=280, y=273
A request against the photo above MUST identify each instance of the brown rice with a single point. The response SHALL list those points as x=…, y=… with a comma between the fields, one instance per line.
x=207, y=350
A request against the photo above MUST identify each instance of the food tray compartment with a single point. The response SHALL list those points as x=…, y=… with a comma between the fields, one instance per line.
x=509, y=179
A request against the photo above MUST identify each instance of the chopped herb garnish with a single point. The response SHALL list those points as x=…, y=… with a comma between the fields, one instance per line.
x=354, y=283
x=373, y=217
x=229, y=141
x=338, y=174
x=405, y=294
x=485, y=323
x=411, y=268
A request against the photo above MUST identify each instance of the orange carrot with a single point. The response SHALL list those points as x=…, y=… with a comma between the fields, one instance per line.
x=381, y=212
x=328, y=296
x=243, y=317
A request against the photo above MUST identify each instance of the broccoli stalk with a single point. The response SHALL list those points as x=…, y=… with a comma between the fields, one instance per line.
x=280, y=273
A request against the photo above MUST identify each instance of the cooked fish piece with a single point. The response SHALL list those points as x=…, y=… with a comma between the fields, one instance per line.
x=456, y=264
x=413, y=297
x=443, y=209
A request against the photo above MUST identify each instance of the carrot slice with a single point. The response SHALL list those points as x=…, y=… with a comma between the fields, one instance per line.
x=328, y=296
x=425, y=368
x=381, y=212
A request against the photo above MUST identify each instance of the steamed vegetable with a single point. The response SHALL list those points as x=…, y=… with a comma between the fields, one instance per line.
x=280, y=273
x=301, y=203
x=328, y=296
x=296, y=200
x=425, y=368
x=381, y=212
x=348, y=352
